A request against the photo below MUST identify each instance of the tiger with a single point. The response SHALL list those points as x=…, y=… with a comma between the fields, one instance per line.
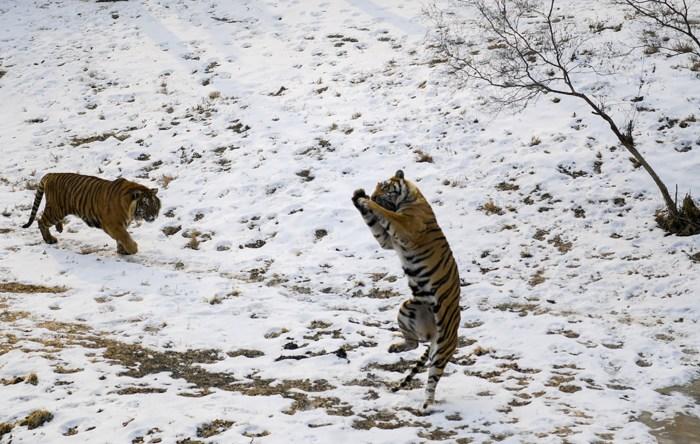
x=109, y=205
x=401, y=219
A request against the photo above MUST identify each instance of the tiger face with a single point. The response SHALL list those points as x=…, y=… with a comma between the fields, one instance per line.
x=147, y=204
x=391, y=193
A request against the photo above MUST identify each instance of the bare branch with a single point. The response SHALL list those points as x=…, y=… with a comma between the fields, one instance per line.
x=528, y=52
x=671, y=15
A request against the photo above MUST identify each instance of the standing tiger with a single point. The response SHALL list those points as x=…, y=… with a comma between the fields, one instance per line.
x=402, y=220
x=110, y=205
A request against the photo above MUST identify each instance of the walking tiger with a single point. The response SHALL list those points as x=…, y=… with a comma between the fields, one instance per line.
x=109, y=205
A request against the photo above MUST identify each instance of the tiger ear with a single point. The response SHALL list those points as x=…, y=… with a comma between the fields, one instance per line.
x=399, y=174
x=154, y=191
x=136, y=194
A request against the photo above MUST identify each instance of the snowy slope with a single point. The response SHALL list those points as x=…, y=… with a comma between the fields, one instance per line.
x=259, y=297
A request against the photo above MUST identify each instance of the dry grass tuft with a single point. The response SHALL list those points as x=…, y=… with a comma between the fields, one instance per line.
x=36, y=419
x=215, y=427
x=5, y=428
x=18, y=287
x=490, y=208
x=194, y=241
x=686, y=223
x=422, y=156
x=77, y=141
x=165, y=181
x=507, y=186
x=537, y=278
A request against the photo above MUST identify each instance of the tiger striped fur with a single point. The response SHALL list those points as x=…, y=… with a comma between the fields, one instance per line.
x=109, y=205
x=401, y=219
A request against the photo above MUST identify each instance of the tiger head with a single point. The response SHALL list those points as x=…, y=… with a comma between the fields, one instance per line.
x=395, y=192
x=147, y=204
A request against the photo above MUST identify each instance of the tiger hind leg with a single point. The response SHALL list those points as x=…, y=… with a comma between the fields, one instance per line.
x=416, y=322
x=59, y=226
x=48, y=219
x=438, y=361
x=434, y=375
x=417, y=368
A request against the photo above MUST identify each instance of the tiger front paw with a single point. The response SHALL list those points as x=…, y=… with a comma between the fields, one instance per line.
x=359, y=199
x=127, y=250
x=401, y=347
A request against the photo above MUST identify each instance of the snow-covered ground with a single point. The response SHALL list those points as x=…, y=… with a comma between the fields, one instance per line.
x=259, y=307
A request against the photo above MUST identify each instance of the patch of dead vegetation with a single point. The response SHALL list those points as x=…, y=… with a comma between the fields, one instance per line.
x=376, y=293
x=685, y=223
x=8, y=342
x=507, y=186
x=422, y=156
x=332, y=405
x=400, y=366
x=318, y=325
x=335, y=334
x=521, y=309
x=490, y=207
x=139, y=390
x=189, y=441
x=386, y=420
x=31, y=378
x=215, y=427
x=61, y=370
x=537, y=278
x=141, y=361
x=12, y=316
x=5, y=428
x=77, y=141
x=437, y=434
x=560, y=244
x=36, y=419
x=276, y=333
x=18, y=287
x=248, y=353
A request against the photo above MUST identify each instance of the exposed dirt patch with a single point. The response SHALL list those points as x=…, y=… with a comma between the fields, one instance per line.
x=141, y=361
x=681, y=429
